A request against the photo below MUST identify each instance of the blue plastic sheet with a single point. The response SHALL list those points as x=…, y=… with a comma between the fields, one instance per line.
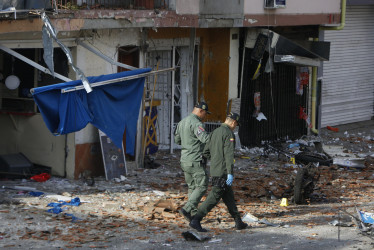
x=73, y=202
x=112, y=108
x=57, y=206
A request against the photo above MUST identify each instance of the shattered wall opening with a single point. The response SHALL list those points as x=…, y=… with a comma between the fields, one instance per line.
x=279, y=104
x=19, y=99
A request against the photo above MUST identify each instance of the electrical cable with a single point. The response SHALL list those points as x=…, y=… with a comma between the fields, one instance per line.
x=270, y=78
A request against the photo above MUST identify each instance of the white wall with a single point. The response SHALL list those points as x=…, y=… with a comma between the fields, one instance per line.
x=187, y=7
x=294, y=7
x=107, y=42
x=257, y=7
x=30, y=136
x=234, y=63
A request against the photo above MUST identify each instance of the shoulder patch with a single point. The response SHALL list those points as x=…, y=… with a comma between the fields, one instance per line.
x=200, y=130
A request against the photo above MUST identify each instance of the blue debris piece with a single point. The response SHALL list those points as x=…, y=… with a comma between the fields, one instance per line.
x=367, y=217
x=73, y=202
x=57, y=206
x=294, y=145
x=36, y=194
x=73, y=218
x=55, y=210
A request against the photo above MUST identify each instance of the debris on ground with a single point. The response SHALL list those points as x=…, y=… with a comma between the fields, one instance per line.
x=142, y=207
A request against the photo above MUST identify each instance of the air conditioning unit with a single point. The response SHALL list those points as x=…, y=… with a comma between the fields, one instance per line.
x=274, y=4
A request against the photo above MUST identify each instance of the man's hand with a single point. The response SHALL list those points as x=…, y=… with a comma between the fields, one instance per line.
x=230, y=179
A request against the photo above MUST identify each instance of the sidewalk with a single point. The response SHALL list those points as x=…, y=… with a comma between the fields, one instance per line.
x=363, y=128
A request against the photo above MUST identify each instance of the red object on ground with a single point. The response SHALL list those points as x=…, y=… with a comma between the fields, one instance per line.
x=333, y=129
x=41, y=177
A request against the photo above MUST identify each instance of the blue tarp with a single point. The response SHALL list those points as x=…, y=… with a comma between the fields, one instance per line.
x=112, y=108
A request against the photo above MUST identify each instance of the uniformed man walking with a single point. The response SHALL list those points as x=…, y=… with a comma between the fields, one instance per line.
x=220, y=150
x=191, y=135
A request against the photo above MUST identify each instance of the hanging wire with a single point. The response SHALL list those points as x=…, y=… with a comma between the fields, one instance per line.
x=270, y=77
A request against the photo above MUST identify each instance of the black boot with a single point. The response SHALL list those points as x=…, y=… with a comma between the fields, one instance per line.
x=185, y=214
x=239, y=224
x=195, y=223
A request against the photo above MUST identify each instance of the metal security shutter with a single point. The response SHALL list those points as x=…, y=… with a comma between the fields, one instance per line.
x=348, y=78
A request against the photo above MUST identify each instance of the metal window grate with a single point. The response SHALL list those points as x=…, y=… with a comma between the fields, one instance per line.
x=281, y=112
x=210, y=126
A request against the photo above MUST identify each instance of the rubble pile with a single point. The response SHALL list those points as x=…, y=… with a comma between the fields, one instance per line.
x=143, y=206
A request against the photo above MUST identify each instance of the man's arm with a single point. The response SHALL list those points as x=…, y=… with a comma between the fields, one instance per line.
x=200, y=133
x=177, y=136
x=228, y=151
x=206, y=151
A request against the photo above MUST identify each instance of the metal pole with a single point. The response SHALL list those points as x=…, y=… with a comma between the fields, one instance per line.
x=339, y=225
x=122, y=65
x=147, y=125
x=96, y=84
x=172, y=105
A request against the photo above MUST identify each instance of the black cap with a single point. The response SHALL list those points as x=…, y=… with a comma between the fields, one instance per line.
x=202, y=105
x=234, y=116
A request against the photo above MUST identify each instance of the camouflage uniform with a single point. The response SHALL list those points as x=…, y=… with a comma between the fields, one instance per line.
x=191, y=135
x=220, y=150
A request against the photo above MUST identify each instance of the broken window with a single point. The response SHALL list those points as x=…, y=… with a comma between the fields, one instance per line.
x=17, y=78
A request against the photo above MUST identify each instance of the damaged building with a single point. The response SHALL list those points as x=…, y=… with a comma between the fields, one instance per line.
x=268, y=60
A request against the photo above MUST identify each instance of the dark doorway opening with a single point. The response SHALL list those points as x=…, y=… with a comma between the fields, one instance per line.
x=279, y=103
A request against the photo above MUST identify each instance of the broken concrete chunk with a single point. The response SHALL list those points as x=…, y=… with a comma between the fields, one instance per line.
x=148, y=209
x=350, y=162
x=108, y=204
x=168, y=215
x=340, y=224
x=159, y=193
x=168, y=204
x=249, y=218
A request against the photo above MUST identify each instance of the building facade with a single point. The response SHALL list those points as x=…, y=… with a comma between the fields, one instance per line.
x=211, y=44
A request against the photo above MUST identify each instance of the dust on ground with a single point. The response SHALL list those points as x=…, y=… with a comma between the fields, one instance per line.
x=140, y=211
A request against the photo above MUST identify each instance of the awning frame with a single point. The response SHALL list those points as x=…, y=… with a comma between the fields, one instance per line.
x=297, y=60
x=32, y=63
x=96, y=84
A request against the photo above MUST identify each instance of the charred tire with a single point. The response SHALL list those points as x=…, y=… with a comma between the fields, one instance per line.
x=299, y=186
x=305, y=158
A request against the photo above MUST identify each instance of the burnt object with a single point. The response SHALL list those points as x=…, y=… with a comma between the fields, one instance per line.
x=306, y=157
x=305, y=181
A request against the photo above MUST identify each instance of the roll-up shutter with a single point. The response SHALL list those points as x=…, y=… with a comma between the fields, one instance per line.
x=348, y=78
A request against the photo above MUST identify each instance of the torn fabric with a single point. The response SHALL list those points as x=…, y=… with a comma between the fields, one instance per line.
x=112, y=108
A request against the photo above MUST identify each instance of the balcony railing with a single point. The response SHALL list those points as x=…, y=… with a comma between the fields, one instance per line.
x=114, y=4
